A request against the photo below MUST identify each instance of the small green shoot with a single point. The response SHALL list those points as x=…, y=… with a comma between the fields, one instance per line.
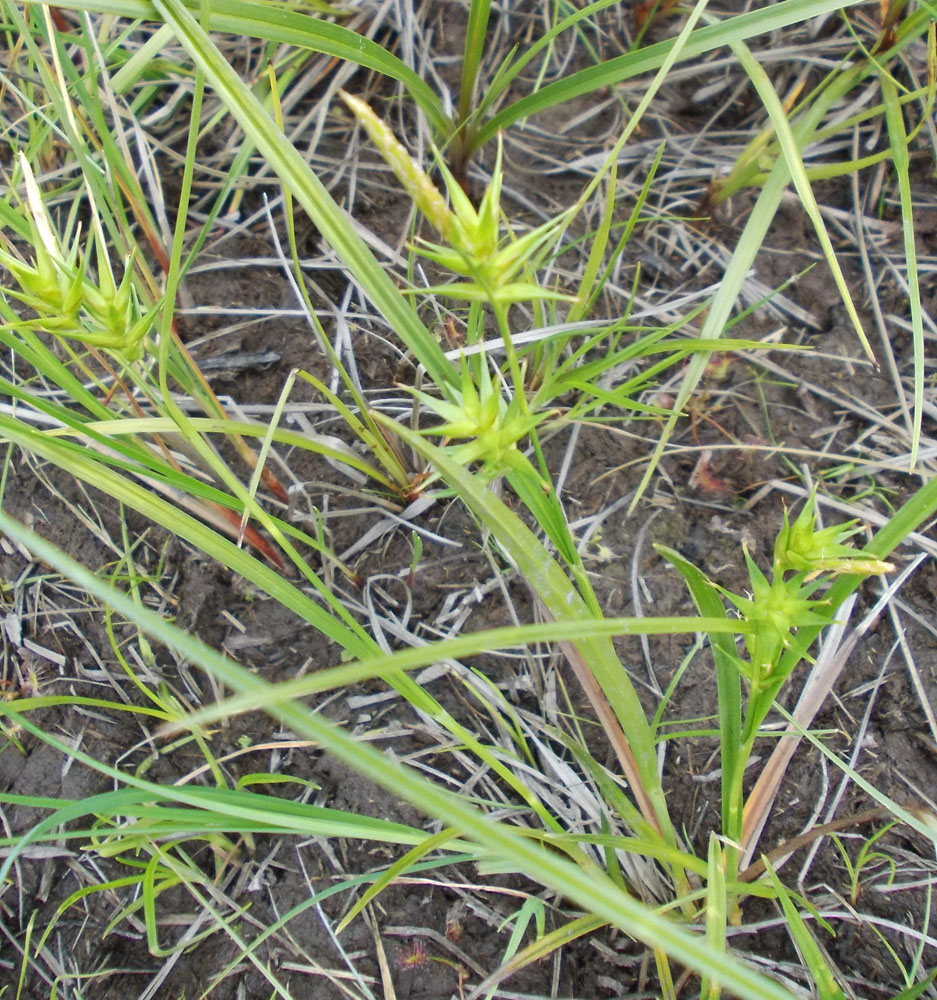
x=865, y=857
x=416, y=544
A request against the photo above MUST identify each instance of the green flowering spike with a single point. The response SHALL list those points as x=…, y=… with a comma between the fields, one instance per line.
x=471, y=415
x=460, y=420
x=106, y=285
x=778, y=607
x=466, y=233
x=509, y=260
x=75, y=292
x=474, y=234
x=475, y=248
x=67, y=301
x=421, y=189
x=478, y=416
x=451, y=260
x=800, y=546
x=47, y=242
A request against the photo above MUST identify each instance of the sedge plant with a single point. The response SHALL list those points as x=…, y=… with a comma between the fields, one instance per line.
x=806, y=559
x=487, y=417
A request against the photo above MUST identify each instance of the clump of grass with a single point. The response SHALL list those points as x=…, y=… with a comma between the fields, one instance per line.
x=103, y=411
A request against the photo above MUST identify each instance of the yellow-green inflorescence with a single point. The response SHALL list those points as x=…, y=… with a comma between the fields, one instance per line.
x=67, y=301
x=802, y=546
x=477, y=413
x=489, y=426
x=474, y=247
x=804, y=556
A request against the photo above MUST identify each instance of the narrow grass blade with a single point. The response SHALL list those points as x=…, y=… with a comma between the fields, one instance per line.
x=764, y=20
x=471, y=59
x=590, y=888
x=588, y=292
x=510, y=71
x=308, y=190
x=918, y=989
x=716, y=912
x=717, y=318
x=899, y=148
x=918, y=818
x=167, y=811
x=400, y=867
x=548, y=581
x=82, y=463
x=277, y=23
x=536, y=951
x=820, y=972
x=728, y=685
x=795, y=165
x=469, y=644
